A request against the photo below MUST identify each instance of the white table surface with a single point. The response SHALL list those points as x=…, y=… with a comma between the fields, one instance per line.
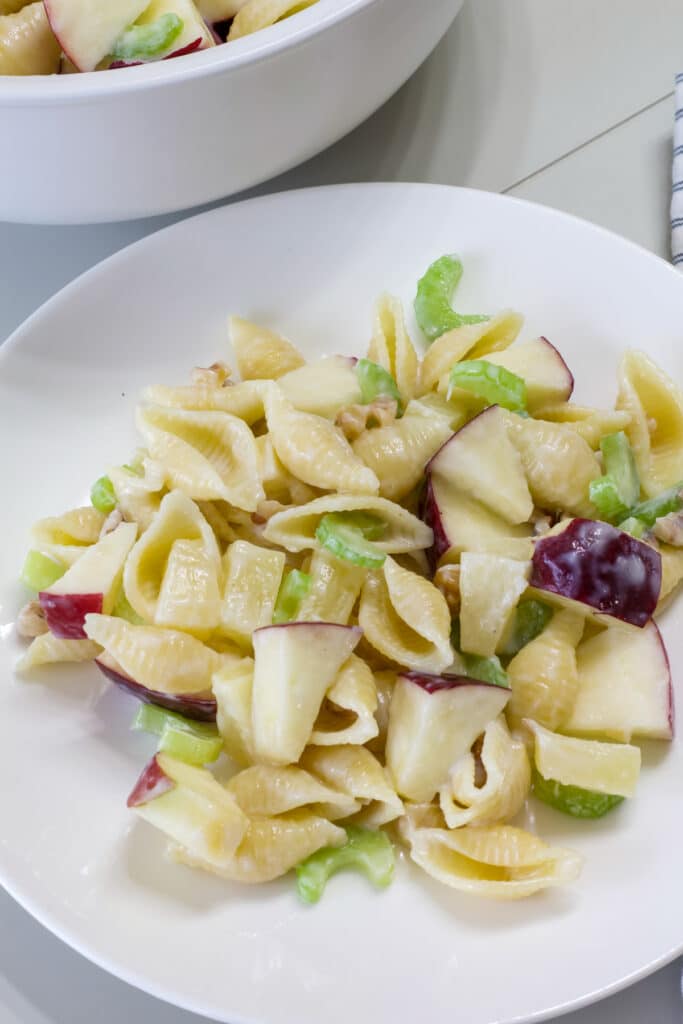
x=567, y=104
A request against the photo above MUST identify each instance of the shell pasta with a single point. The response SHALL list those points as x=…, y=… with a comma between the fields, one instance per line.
x=381, y=600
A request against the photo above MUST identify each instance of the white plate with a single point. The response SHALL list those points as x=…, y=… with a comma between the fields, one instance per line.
x=310, y=263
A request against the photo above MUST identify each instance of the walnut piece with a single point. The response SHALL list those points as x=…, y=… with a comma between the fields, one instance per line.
x=31, y=621
x=354, y=420
x=215, y=376
x=447, y=580
x=669, y=529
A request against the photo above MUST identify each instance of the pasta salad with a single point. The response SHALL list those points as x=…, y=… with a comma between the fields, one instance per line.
x=380, y=602
x=47, y=37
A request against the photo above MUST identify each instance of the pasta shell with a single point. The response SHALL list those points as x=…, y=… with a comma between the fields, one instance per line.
x=471, y=341
x=66, y=537
x=543, y=675
x=244, y=400
x=295, y=528
x=170, y=582
x=271, y=847
x=353, y=770
x=391, y=347
x=503, y=760
x=139, y=497
x=232, y=687
x=208, y=455
x=348, y=711
x=252, y=581
x=558, y=463
x=385, y=681
x=655, y=406
x=397, y=454
x=316, y=451
x=278, y=484
x=264, y=791
x=334, y=589
x=163, y=660
x=27, y=43
x=590, y=424
x=48, y=649
x=261, y=354
x=497, y=861
x=406, y=619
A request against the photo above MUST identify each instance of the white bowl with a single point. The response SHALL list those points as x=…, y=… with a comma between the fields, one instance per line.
x=121, y=144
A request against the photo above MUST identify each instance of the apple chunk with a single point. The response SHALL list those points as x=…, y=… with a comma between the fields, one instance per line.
x=624, y=686
x=433, y=721
x=90, y=585
x=194, y=34
x=544, y=371
x=294, y=665
x=611, y=768
x=490, y=587
x=87, y=29
x=600, y=567
x=481, y=460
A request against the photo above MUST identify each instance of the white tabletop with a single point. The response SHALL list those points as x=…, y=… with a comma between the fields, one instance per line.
x=567, y=104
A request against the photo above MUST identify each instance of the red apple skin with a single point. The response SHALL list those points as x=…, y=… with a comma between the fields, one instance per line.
x=201, y=709
x=602, y=567
x=65, y=613
x=433, y=683
x=560, y=358
x=188, y=48
x=671, y=704
x=432, y=517
x=153, y=782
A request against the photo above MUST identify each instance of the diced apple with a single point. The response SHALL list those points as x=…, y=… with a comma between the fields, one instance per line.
x=194, y=34
x=219, y=10
x=294, y=666
x=600, y=767
x=624, y=686
x=547, y=376
x=490, y=587
x=87, y=29
x=600, y=567
x=190, y=806
x=323, y=387
x=460, y=523
x=433, y=721
x=201, y=709
x=90, y=585
x=481, y=460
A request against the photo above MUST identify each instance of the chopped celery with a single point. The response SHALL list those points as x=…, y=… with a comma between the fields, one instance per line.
x=41, y=571
x=433, y=310
x=376, y=382
x=123, y=609
x=604, y=494
x=489, y=670
x=192, y=742
x=371, y=526
x=579, y=803
x=636, y=527
x=367, y=850
x=494, y=384
x=654, y=508
x=620, y=465
x=531, y=618
x=344, y=536
x=102, y=495
x=145, y=42
x=293, y=589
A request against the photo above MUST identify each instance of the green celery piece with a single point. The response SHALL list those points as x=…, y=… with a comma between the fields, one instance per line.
x=531, y=618
x=620, y=464
x=493, y=383
x=367, y=850
x=40, y=571
x=604, y=494
x=145, y=42
x=293, y=590
x=433, y=310
x=339, y=534
x=636, y=527
x=193, y=742
x=103, y=496
x=489, y=670
x=579, y=803
x=654, y=508
x=376, y=382
x=123, y=609
x=371, y=526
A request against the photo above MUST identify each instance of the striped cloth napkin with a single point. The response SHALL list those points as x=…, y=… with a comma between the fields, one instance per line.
x=677, y=175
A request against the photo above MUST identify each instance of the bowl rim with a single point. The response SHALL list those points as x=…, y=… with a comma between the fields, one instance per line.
x=252, y=49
